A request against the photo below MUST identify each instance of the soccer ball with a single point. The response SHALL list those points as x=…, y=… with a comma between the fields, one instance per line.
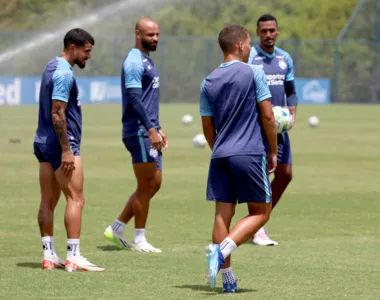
x=187, y=119
x=313, y=121
x=283, y=117
x=199, y=141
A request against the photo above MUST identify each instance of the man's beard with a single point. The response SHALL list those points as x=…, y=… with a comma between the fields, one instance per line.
x=80, y=64
x=148, y=46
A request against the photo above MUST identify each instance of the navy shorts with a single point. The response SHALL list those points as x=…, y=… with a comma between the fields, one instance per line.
x=52, y=154
x=141, y=151
x=284, y=156
x=239, y=179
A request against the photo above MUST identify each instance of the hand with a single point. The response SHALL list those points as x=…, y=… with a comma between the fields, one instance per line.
x=68, y=163
x=272, y=162
x=155, y=139
x=165, y=143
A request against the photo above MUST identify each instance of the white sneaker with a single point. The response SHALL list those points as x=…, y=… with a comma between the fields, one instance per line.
x=53, y=262
x=81, y=264
x=117, y=238
x=261, y=238
x=145, y=247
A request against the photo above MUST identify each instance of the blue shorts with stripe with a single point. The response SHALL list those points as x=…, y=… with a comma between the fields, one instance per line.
x=239, y=179
x=284, y=156
x=52, y=153
x=141, y=151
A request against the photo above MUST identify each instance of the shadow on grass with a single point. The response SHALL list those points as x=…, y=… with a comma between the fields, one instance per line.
x=30, y=265
x=109, y=248
x=208, y=290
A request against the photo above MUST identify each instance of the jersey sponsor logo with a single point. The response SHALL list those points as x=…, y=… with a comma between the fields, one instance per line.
x=275, y=79
x=156, y=82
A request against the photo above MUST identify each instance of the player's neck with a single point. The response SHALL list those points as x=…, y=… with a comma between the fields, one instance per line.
x=142, y=49
x=231, y=57
x=66, y=57
x=269, y=50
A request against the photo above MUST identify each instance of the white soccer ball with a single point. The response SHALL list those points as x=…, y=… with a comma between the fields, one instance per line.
x=313, y=121
x=187, y=119
x=199, y=141
x=283, y=117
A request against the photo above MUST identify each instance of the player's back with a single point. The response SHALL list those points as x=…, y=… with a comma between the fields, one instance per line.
x=231, y=91
x=139, y=71
x=58, y=83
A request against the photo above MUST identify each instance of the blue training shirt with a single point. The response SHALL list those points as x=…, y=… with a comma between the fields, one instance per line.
x=278, y=68
x=230, y=94
x=139, y=71
x=59, y=83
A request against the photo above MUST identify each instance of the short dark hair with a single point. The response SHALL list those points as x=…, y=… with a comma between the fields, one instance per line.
x=78, y=37
x=230, y=36
x=266, y=18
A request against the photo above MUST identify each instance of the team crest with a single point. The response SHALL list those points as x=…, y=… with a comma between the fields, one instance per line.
x=282, y=64
x=153, y=153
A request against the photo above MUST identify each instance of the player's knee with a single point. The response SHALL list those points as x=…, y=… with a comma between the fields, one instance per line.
x=157, y=187
x=265, y=217
x=56, y=196
x=225, y=216
x=149, y=187
x=77, y=199
x=286, y=176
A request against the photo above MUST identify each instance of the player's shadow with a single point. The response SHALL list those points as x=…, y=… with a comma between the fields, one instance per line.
x=208, y=290
x=109, y=248
x=30, y=265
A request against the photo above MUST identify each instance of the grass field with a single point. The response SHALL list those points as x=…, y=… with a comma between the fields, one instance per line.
x=327, y=223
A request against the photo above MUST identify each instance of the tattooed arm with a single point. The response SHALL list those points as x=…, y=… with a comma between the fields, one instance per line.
x=59, y=122
x=60, y=127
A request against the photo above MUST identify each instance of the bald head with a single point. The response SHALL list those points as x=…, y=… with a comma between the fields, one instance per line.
x=147, y=33
x=145, y=23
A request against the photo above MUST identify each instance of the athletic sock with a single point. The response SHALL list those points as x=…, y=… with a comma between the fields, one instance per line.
x=227, y=247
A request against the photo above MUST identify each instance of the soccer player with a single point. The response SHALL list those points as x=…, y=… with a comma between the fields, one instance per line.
x=142, y=135
x=278, y=67
x=238, y=124
x=57, y=148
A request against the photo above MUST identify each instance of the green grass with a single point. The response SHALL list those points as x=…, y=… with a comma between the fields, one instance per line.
x=327, y=223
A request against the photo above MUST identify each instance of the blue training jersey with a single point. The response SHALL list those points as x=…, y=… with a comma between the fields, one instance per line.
x=139, y=71
x=58, y=83
x=230, y=94
x=278, y=68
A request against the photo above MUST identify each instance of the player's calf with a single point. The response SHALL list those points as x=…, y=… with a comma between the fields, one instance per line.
x=282, y=177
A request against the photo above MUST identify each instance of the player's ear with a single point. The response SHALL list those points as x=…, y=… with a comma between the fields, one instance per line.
x=72, y=47
x=137, y=33
x=241, y=46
